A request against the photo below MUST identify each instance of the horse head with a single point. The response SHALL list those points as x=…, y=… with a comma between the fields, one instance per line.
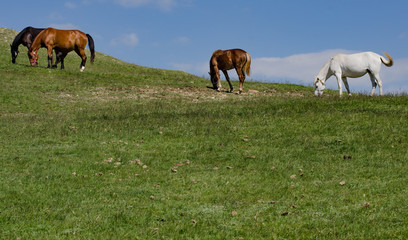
x=33, y=56
x=319, y=85
x=213, y=79
x=14, y=53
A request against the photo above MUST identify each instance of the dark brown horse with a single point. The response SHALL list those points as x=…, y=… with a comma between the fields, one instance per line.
x=226, y=60
x=26, y=38
x=63, y=41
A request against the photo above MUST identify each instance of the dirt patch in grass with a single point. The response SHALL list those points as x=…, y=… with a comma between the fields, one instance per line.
x=188, y=93
x=153, y=93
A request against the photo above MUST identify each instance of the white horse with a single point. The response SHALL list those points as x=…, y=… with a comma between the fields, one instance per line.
x=354, y=65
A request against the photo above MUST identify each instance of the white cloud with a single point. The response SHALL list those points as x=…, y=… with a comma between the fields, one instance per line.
x=165, y=5
x=70, y=5
x=183, y=66
x=182, y=40
x=65, y=26
x=303, y=68
x=395, y=78
x=54, y=16
x=200, y=69
x=130, y=40
x=132, y=3
x=403, y=35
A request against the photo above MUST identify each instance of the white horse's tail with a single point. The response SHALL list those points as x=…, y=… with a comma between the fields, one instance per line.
x=390, y=61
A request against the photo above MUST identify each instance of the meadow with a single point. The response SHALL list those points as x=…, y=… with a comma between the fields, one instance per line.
x=122, y=151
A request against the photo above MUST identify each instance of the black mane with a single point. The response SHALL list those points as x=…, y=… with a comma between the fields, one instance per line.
x=17, y=40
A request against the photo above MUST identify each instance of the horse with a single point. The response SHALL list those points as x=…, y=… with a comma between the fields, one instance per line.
x=228, y=59
x=63, y=41
x=352, y=65
x=26, y=37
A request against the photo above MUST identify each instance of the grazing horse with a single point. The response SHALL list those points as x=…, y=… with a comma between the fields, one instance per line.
x=226, y=60
x=354, y=66
x=63, y=41
x=26, y=37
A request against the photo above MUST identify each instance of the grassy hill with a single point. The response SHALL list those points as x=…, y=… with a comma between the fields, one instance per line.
x=127, y=152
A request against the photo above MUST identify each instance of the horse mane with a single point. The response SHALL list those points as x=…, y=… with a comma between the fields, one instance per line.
x=324, y=71
x=17, y=39
x=37, y=41
x=217, y=52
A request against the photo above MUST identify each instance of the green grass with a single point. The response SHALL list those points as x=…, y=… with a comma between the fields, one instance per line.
x=127, y=152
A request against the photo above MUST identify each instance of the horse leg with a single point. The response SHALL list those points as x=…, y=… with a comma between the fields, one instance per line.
x=62, y=57
x=58, y=59
x=346, y=85
x=241, y=76
x=81, y=53
x=376, y=80
x=379, y=82
x=338, y=76
x=217, y=75
x=228, y=79
x=50, y=57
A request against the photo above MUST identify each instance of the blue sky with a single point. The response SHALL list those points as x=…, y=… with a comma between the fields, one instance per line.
x=289, y=41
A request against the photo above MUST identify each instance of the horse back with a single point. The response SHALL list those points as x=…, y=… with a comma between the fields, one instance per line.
x=64, y=39
x=228, y=59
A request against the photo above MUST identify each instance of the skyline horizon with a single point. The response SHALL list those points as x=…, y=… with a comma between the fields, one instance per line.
x=284, y=39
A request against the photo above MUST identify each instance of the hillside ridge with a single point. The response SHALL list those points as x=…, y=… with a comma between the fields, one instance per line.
x=173, y=81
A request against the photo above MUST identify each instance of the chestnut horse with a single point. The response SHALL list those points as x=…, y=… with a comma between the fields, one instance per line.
x=63, y=41
x=25, y=37
x=226, y=60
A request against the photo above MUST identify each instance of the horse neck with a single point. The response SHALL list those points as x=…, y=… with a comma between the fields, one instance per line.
x=37, y=42
x=325, y=72
x=213, y=63
x=18, y=39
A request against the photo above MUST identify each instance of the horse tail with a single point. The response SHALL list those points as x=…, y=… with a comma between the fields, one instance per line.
x=91, y=47
x=388, y=63
x=247, y=65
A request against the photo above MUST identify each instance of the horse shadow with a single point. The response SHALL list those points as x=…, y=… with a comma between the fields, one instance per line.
x=223, y=91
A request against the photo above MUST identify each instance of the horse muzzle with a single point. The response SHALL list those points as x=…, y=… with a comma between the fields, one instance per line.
x=33, y=63
x=33, y=59
x=318, y=93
